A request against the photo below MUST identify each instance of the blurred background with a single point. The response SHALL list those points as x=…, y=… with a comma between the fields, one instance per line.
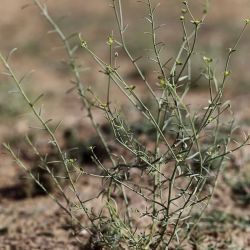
x=22, y=27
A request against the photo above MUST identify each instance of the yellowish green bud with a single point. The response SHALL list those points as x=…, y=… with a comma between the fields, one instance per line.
x=178, y=63
x=110, y=40
x=162, y=81
x=183, y=11
x=226, y=73
x=207, y=59
x=196, y=22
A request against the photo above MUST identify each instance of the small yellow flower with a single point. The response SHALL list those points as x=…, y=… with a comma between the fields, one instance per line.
x=226, y=73
x=110, y=40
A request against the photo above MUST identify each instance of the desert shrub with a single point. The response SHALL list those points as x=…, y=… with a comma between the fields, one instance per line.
x=160, y=172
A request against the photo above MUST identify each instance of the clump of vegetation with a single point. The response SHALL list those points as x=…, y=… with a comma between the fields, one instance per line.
x=215, y=225
x=42, y=175
x=241, y=191
x=81, y=150
x=150, y=188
